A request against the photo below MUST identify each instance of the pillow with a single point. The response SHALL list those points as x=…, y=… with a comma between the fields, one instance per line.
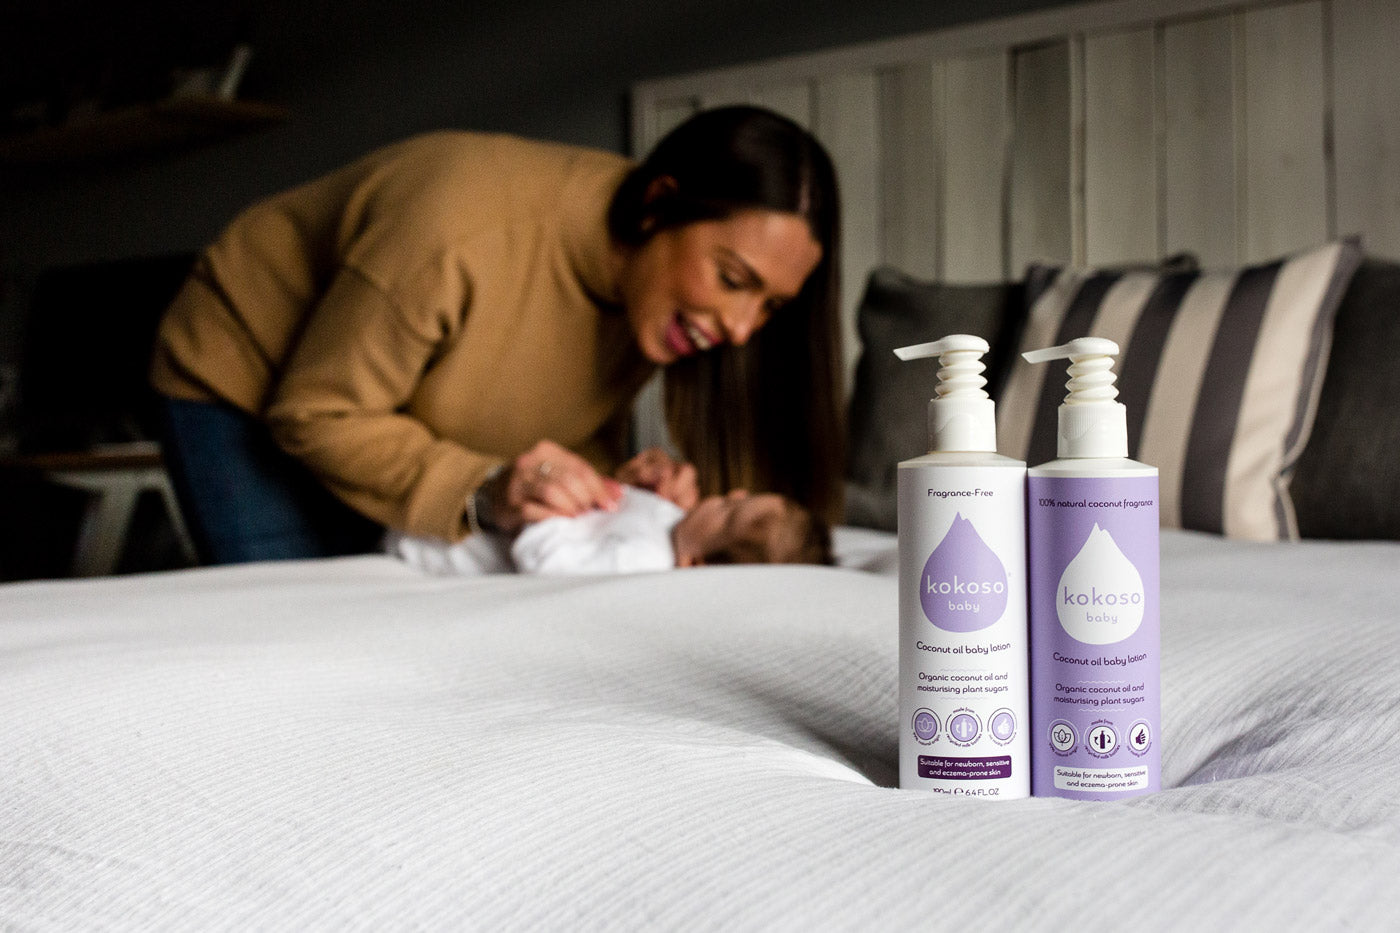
x=1347, y=482
x=889, y=400
x=1220, y=372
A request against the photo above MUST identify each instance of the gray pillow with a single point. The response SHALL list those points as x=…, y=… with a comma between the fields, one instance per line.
x=1347, y=480
x=889, y=401
x=1346, y=483
x=1220, y=371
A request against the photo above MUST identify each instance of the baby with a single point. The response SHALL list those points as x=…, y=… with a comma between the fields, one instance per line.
x=645, y=532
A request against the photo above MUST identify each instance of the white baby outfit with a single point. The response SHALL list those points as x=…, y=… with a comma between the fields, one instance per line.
x=634, y=538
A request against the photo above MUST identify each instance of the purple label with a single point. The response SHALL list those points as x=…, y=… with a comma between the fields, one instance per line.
x=964, y=583
x=1095, y=643
x=964, y=769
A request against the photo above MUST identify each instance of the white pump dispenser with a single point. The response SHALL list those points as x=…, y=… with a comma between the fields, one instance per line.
x=1092, y=424
x=961, y=417
x=963, y=678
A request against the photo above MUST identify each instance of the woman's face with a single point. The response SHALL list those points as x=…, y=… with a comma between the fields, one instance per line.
x=712, y=282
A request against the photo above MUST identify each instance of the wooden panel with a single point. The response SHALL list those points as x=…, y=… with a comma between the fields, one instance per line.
x=1040, y=159
x=1076, y=149
x=727, y=97
x=1120, y=162
x=1198, y=127
x=846, y=124
x=649, y=417
x=1367, y=114
x=793, y=101
x=1286, y=171
x=975, y=140
x=982, y=35
x=667, y=116
x=910, y=176
x=648, y=414
x=1225, y=112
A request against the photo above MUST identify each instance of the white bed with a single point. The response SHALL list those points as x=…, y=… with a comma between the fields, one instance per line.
x=352, y=744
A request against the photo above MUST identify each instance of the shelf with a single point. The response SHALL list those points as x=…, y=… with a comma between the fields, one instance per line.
x=164, y=125
x=102, y=459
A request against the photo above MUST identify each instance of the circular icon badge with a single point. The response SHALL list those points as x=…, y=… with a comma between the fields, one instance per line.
x=1062, y=736
x=963, y=727
x=925, y=725
x=1101, y=741
x=1002, y=725
x=1140, y=737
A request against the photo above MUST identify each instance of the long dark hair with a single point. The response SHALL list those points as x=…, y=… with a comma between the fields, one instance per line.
x=765, y=416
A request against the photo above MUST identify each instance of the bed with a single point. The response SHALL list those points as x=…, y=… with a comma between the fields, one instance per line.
x=350, y=744
x=354, y=744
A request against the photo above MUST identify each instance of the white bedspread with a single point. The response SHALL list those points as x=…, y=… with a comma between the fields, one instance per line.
x=351, y=745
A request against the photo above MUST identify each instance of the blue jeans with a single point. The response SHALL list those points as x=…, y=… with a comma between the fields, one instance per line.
x=244, y=498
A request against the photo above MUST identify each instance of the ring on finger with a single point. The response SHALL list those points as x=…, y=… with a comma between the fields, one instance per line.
x=543, y=469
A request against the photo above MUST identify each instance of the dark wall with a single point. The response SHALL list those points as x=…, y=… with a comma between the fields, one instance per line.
x=356, y=74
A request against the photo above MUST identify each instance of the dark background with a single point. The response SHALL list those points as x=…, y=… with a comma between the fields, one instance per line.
x=353, y=74
x=357, y=74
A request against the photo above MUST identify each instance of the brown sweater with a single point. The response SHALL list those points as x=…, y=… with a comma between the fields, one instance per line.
x=416, y=318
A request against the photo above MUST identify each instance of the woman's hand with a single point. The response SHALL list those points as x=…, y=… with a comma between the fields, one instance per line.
x=547, y=481
x=654, y=469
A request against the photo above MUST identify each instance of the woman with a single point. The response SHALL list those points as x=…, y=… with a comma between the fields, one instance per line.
x=449, y=333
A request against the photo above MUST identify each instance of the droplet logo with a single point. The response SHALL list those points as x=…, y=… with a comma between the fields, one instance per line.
x=1100, y=598
x=964, y=582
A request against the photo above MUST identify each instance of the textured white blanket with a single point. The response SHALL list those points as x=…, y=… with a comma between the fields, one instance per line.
x=352, y=745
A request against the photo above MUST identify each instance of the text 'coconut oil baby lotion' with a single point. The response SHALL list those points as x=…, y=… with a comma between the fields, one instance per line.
x=1094, y=566
x=963, y=680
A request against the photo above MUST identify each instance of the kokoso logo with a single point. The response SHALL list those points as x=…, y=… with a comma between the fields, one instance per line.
x=957, y=587
x=963, y=587
x=1100, y=597
x=1095, y=598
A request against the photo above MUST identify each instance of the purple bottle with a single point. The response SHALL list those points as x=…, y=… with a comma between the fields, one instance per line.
x=1095, y=642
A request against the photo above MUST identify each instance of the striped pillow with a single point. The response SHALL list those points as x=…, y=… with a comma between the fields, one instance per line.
x=1220, y=372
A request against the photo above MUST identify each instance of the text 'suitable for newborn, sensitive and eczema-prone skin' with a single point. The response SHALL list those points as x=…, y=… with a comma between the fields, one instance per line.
x=963, y=682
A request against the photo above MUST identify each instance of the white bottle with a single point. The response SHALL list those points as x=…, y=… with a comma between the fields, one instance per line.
x=1092, y=521
x=963, y=682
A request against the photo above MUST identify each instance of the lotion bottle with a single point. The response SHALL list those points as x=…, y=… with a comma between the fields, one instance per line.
x=963, y=679
x=1092, y=520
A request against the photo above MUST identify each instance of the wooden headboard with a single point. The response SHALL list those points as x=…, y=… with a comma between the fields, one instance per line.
x=1097, y=133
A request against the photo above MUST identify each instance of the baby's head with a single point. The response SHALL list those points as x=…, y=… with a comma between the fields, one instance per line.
x=740, y=528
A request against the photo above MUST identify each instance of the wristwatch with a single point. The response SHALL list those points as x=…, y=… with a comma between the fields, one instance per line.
x=480, y=506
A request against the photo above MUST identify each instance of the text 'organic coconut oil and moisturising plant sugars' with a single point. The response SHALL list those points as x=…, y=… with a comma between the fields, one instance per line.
x=1094, y=564
x=963, y=682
